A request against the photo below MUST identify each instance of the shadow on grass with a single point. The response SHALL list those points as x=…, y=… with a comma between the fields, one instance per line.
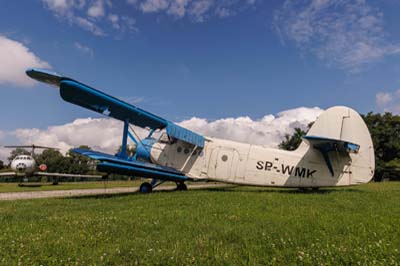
x=118, y=195
x=283, y=190
x=228, y=189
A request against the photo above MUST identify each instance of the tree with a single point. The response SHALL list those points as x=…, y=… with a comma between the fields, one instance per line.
x=79, y=164
x=1, y=164
x=54, y=160
x=291, y=142
x=385, y=132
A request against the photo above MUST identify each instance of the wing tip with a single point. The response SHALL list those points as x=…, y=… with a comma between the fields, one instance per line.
x=44, y=75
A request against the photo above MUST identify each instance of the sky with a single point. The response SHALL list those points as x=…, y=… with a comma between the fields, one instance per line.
x=246, y=70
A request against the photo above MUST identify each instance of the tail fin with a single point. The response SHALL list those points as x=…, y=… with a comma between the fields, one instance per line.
x=341, y=131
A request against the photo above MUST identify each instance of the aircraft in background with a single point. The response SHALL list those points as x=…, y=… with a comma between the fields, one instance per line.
x=24, y=166
x=337, y=151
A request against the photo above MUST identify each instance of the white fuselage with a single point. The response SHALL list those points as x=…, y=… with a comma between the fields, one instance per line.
x=239, y=163
x=23, y=165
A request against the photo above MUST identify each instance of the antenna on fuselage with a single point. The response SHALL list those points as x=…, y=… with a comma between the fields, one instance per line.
x=32, y=147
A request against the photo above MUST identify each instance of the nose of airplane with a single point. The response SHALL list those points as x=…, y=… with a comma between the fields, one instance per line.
x=21, y=167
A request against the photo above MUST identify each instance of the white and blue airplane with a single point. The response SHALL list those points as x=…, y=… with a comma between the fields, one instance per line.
x=337, y=151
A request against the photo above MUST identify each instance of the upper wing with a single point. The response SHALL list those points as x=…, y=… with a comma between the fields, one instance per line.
x=66, y=175
x=80, y=94
x=8, y=174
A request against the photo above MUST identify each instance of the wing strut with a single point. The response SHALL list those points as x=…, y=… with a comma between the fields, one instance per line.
x=122, y=154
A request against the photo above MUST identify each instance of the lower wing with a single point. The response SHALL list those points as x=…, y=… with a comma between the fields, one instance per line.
x=112, y=164
x=67, y=175
x=8, y=174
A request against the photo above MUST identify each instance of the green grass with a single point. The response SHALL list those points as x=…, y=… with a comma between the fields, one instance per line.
x=224, y=226
x=13, y=187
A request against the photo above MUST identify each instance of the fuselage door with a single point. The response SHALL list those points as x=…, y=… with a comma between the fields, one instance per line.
x=223, y=164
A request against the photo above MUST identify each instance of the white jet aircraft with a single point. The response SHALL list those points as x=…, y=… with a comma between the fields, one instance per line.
x=24, y=166
x=337, y=151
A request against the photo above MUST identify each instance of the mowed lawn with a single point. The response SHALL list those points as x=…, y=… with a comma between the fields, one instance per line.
x=220, y=226
x=41, y=186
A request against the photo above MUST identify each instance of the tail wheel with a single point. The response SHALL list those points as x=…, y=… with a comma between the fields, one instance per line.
x=145, y=188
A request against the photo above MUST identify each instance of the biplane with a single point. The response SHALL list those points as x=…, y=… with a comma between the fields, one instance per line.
x=337, y=150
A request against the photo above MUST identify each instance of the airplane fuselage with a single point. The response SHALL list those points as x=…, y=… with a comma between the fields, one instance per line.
x=23, y=165
x=239, y=163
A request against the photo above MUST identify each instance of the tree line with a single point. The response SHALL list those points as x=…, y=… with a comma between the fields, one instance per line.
x=384, y=129
x=385, y=133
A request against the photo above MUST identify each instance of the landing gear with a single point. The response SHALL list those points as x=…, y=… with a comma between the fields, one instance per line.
x=181, y=186
x=146, y=188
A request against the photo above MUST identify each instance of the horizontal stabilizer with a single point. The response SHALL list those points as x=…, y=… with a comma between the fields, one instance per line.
x=112, y=164
x=332, y=144
x=326, y=145
x=80, y=94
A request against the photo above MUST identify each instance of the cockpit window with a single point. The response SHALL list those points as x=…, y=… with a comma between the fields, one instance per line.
x=164, y=138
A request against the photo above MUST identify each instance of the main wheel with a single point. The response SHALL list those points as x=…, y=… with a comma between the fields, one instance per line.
x=181, y=186
x=145, y=188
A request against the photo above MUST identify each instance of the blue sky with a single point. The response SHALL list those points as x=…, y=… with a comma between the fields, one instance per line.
x=200, y=58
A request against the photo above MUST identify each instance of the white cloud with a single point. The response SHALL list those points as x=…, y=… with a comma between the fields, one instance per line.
x=200, y=8
x=348, y=34
x=224, y=12
x=96, y=17
x=195, y=10
x=114, y=18
x=101, y=134
x=388, y=101
x=96, y=9
x=154, y=5
x=383, y=98
x=178, y=8
x=15, y=59
x=105, y=134
x=4, y=153
x=87, y=25
x=269, y=130
x=83, y=49
x=72, y=11
x=101, y=18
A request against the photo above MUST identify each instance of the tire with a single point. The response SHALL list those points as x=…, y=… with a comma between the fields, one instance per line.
x=145, y=188
x=181, y=187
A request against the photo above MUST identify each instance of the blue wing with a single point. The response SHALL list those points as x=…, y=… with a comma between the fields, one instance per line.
x=113, y=164
x=80, y=94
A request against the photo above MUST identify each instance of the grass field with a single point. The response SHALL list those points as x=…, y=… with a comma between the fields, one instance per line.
x=220, y=226
x=13, y=187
